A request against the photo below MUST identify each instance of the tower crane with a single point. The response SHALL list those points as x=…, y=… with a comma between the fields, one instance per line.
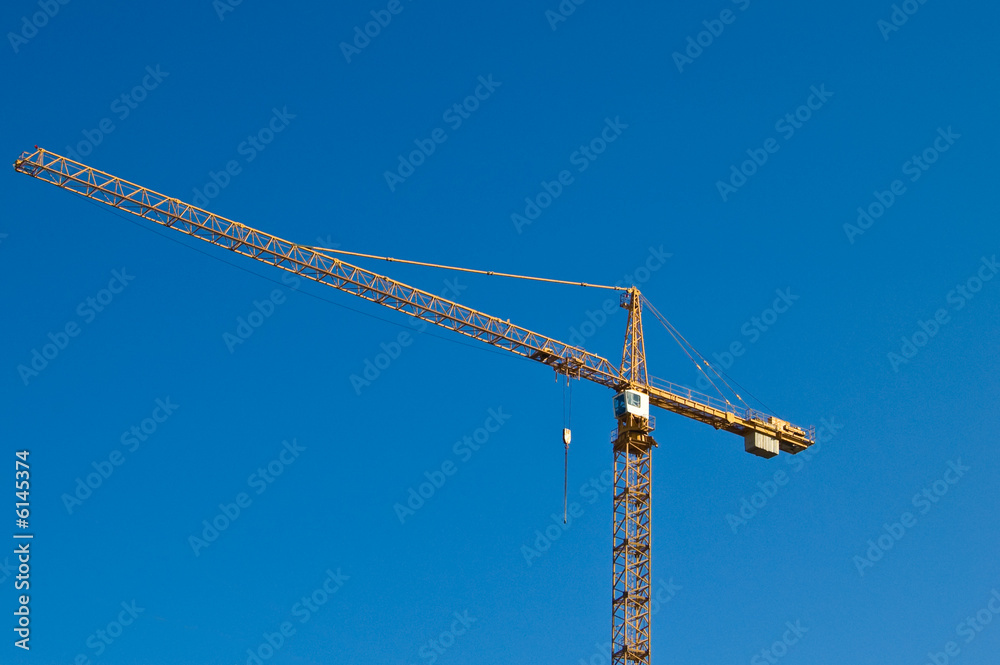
x=635, y=390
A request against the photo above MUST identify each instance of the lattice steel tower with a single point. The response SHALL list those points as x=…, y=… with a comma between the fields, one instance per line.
x=633, y=478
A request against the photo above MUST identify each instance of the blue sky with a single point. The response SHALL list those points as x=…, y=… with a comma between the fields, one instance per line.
x=836, y=162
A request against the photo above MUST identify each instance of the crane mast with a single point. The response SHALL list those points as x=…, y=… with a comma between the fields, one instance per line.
x=635, y=389
x=632, y=491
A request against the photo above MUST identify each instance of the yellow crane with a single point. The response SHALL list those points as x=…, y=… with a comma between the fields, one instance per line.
x=635, y=390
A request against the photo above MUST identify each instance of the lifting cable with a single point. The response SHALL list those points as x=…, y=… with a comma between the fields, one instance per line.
x=478, y=272
x=679, y=338
x=671, y=329
x=567, y=435
x=711, y=367
x=685, y=345
x=754, y=397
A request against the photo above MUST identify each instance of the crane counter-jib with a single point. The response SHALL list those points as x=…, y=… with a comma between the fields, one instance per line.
x=789, y=438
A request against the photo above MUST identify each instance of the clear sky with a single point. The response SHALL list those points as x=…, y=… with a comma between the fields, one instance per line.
x=806, y=190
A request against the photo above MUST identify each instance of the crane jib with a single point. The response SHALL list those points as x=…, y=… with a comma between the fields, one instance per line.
x=317, y=266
